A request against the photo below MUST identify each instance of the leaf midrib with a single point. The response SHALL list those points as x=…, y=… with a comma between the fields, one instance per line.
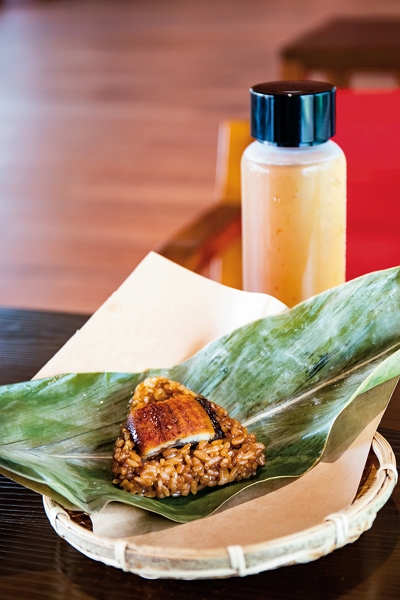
x=284, y=405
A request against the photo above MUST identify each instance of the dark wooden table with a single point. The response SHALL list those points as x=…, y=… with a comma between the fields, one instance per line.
x=36, y=564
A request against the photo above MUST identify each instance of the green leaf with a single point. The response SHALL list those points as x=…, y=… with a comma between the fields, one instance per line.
x=287, y=377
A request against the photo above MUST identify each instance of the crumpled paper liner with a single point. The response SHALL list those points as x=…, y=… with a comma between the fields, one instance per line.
x=161, y=315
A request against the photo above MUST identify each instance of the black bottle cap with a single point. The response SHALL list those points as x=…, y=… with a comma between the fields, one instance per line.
x=293, y=113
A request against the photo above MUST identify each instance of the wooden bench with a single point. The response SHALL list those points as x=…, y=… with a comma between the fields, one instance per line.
x=344, y=46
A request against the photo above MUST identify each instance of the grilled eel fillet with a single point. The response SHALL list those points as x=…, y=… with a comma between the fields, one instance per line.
x=175, y=422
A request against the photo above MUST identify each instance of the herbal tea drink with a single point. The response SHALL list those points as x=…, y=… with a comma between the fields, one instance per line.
x=293, y=193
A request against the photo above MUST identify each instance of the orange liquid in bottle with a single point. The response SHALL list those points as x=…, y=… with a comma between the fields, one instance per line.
x=294, y=220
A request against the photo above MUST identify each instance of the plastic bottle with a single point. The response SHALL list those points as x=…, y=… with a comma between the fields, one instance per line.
x=293, y=192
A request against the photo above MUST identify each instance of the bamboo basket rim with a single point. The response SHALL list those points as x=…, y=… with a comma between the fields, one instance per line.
x=154, y=562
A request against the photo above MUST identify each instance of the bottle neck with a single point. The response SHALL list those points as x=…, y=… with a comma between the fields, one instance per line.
x=265, y=153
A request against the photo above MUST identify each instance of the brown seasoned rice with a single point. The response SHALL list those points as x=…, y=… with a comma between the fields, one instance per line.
x=180, y=471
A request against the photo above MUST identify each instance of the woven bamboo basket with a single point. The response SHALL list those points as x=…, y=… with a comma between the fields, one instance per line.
x=310, y=544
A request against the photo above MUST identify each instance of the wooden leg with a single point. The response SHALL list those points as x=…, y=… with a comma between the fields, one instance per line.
x=293, y=69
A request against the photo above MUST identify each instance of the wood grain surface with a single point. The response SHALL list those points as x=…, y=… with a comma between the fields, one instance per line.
x=36, y=564
x=109, y=115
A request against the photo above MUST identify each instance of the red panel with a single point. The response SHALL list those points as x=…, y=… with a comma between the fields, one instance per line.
x=368, y=126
